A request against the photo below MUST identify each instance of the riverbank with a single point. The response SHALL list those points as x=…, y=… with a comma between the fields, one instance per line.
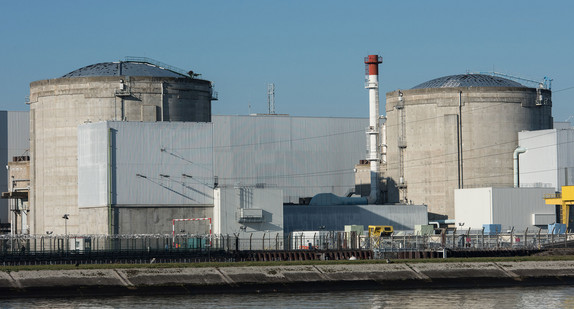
x=282, y=278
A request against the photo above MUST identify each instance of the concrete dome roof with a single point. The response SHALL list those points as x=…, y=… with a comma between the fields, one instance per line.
x=468, y=80
x=124, y=68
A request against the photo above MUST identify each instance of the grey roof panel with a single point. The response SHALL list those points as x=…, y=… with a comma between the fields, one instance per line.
x=127, y=68
x=468, y=80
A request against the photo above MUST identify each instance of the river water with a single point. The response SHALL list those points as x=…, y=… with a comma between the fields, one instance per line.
x=512, y=297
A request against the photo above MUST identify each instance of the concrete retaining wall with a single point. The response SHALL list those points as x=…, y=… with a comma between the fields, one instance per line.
x=83, y=282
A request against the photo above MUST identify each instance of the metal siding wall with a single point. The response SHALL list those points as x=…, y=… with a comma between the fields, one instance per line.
x=513, y=207
x=539, y=164
x=93, y=164
x=4, y=210
x=303, y=156
x=14, y=141
x=18, y=134
x=473, y=208
x=565, y=151
x=138, y=150
x=334, y=218
x=269, y=200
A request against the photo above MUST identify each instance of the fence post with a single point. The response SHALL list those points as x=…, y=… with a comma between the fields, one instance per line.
x=454, y=238
x=539, y=229
x=526, y=238
x=277, y=242
x=554, y=227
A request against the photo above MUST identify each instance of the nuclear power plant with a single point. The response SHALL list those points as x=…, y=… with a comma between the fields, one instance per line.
x=131, y=147
x=457, y=132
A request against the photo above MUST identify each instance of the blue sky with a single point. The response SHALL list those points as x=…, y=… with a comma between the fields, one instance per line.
x=311, y=50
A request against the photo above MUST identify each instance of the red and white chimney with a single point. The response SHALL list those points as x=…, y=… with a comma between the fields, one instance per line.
x=372, y=83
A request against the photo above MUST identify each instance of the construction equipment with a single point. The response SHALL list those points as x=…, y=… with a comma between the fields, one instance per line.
x=380, y=230
x=564, y=200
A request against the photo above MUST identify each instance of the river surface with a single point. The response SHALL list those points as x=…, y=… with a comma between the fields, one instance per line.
x=512, y=297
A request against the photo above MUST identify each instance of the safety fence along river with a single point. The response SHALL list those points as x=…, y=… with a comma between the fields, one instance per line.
x=47, y=249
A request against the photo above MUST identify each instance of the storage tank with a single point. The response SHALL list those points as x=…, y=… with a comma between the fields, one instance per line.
x=139, y=89
x=457, y=131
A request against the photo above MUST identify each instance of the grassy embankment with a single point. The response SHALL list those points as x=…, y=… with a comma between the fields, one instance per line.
x=288, y=263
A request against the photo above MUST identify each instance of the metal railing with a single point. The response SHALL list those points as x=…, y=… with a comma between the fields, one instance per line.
x=103, y=247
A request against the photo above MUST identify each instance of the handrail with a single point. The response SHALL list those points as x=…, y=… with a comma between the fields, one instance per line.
x=158, y=64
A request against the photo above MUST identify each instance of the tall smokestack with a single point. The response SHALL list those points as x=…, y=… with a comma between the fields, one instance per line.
x=372, y=83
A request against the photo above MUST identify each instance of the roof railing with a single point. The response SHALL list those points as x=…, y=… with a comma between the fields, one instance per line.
x=158, y=64
x=546, y=83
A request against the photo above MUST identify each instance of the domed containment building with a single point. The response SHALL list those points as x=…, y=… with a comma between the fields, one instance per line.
x=138, y=90
x=457, y=131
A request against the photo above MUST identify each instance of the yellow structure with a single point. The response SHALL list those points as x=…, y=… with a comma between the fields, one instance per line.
x=564, y=200
x=380, y=230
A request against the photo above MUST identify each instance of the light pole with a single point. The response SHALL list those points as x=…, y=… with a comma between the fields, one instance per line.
x=66, y=217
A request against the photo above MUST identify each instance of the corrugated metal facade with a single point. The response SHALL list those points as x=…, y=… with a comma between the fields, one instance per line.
x=152, y=164
x=14, y=141
x=303, y=156
x=510, y=207
x=231, y=203
x=549, y=159
x=334, y=218
x=539, y=165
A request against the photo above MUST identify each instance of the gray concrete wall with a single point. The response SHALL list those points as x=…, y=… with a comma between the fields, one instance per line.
x=306, y=278
x=491, y=119
x=158, y=220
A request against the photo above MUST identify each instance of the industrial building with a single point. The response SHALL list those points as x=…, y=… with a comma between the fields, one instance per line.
x=518, y=209
x=457, y=132
x=14, y=146
x=120, y=91
x=135, y=177
x=127, y=147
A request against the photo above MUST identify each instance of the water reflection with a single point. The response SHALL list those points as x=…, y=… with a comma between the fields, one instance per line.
x=523, y=297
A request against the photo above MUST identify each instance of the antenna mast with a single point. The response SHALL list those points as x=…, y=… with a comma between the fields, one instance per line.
x=271, y=98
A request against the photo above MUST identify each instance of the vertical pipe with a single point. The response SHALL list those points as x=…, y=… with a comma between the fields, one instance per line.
x=460, y=143
x=162, y=98
x=458, y=149
x=110, y=231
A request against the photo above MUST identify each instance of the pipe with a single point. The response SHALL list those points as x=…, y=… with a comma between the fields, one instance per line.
x=461, y=166
x=517, y=152
x=372, y=65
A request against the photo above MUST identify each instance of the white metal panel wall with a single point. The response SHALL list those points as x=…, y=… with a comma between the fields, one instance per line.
x=513, y=207
x=565, y=158
x=473, y=208
x=229, y=201
x=93, y=164
x=539, y=164
x=303, y=156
